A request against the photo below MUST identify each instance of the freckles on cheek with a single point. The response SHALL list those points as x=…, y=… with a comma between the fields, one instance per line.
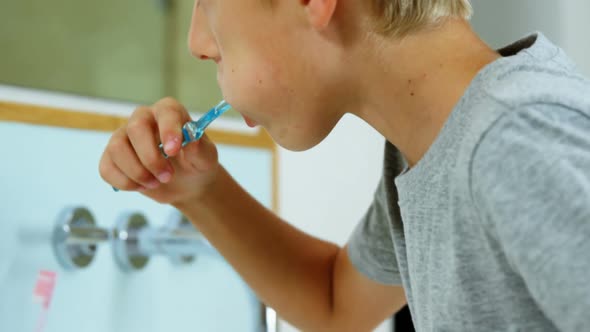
x=258, y=84
x=261, y=77
x=244, y=87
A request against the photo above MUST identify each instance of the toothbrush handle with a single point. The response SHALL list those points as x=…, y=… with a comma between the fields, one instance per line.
x=203, y=122
x=193, y=130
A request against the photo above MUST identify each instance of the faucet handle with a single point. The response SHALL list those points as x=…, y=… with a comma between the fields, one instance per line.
x=76, y=237
x=125, y=243
x=134, y=241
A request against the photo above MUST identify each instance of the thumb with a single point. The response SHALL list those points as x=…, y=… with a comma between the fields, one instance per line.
x=200, y=155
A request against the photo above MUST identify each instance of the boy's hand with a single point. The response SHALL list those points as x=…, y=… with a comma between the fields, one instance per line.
x=132, y=160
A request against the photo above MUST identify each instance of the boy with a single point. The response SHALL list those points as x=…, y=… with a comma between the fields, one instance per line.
x=482, y=218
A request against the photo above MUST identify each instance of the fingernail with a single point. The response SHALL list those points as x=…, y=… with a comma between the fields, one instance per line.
x=170, y=145
x=153, y=184
x=165, y=177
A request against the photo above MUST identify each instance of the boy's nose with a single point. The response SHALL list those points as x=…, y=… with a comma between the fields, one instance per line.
x=201, y=43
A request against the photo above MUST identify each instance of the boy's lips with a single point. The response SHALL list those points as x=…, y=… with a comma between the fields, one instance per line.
x=251, y=123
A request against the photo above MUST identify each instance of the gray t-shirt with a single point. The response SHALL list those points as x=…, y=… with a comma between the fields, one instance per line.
x=490, y=231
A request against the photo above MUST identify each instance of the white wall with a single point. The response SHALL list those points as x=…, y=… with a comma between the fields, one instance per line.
x=565, y=23
x=500, y=22
x=326, y=190
x=576, y=26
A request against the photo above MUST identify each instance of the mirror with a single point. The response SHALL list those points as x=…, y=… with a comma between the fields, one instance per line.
x=131, y=50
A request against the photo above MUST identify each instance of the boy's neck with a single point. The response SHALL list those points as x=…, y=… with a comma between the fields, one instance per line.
x=408, y=88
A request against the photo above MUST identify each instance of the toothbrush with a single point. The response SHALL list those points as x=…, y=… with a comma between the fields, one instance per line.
x=193, y=130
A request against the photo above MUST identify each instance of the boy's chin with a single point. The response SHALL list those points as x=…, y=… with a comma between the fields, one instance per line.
x=293, y=142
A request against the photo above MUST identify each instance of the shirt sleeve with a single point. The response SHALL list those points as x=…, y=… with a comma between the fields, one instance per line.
x=370, y=247
x=531, y=183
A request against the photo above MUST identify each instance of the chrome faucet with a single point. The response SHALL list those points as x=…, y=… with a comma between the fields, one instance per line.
x=76, y=237
x=134, y=241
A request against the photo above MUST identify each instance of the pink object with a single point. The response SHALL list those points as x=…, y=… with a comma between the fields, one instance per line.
x=42, y=294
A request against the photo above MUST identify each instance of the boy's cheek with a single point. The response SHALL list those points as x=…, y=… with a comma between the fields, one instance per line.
x=252, y=85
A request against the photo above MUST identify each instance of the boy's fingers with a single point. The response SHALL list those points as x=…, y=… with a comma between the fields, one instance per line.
x=200, y=155
x=143, y=138
x=124, y=157
x=170, y=116
x=115, y=177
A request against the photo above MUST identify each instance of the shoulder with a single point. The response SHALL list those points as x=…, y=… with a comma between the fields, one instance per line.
x=540, y=104
x=534, y=156
x=529, y=136
x=529, y=79
x=540, y=130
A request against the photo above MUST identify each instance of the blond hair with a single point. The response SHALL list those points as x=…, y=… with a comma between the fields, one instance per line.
x=398, y=18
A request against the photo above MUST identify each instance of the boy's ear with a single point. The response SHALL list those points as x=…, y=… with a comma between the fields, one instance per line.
x=320, y=12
